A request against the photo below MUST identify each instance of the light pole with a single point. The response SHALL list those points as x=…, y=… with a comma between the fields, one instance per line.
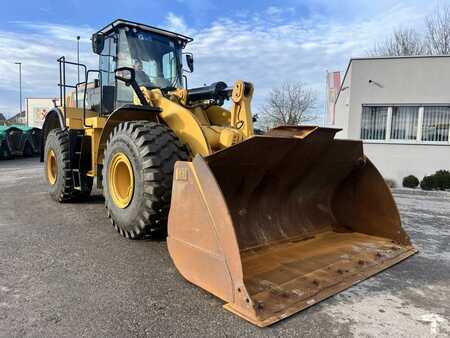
x=78, y=57
x=20, y=85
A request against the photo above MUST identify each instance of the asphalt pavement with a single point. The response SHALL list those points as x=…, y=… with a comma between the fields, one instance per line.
x=64, y=271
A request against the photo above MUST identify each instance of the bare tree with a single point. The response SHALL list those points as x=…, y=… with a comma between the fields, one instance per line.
x=290, y=104
x=404, y=41
x=438, y=31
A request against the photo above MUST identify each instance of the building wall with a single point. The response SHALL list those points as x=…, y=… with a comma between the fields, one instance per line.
x=396, y=81
x=395, y=161
x=402, y=80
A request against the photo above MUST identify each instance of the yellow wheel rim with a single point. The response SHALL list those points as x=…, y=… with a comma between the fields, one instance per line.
x=121, y=180
x=52, y=167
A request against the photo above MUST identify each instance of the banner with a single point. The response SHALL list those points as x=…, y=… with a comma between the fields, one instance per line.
x=333, y=85
x=37, y=109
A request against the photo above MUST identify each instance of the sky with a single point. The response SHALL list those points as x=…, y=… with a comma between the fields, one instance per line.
x=263, y=42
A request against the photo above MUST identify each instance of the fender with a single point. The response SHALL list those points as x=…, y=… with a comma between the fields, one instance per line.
x=54, y=119
x=125, y=113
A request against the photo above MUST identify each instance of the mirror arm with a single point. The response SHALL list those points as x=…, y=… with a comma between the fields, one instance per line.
x=139, y=93
x=132, y=82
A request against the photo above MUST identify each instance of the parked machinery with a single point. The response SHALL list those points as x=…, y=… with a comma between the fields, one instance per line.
x=18, y=140
x=270, y=223
x=30, y=140
x=5, y=152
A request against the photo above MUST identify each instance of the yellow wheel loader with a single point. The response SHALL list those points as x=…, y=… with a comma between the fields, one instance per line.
x=269, y=223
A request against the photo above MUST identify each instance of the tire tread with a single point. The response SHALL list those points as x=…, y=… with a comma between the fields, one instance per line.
x=158, y=148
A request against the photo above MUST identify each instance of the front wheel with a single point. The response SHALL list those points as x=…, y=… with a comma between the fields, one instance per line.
x=137, y=176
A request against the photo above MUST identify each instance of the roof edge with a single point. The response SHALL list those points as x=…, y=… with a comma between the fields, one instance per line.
x=383, y=58
x=119, y=22
x=400, y=57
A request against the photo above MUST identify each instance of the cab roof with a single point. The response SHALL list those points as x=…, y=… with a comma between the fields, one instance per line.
x=125, y=23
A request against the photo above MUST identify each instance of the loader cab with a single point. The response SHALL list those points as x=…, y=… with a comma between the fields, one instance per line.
x=153, y=53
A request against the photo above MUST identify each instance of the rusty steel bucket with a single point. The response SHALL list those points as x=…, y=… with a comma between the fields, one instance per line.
x=282, y=221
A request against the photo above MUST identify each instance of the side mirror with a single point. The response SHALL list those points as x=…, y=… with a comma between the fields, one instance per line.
x=126, y=74
x=98, y=42
x=190, y=62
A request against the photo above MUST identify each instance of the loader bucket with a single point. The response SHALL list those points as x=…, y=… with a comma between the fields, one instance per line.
x=282, y=221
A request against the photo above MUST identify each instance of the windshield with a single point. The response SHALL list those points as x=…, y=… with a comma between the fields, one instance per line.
x=155, y=58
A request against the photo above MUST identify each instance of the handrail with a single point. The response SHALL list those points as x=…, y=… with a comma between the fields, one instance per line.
x=62, y=83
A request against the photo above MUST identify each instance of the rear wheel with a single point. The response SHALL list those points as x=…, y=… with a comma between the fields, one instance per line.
x=58, y=171
x=137, y=176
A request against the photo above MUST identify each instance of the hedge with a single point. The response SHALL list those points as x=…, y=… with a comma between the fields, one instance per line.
x=410, y=181
x=440, y=180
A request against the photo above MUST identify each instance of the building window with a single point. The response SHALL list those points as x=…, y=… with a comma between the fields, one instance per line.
x=373, y=123
x=435, y=126
x=404, y=123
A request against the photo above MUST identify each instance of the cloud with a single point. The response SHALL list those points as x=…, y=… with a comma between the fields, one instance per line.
x=176, y=23
x=37, y=46
x=279, y=13
x=261, y=49
x=265, y=47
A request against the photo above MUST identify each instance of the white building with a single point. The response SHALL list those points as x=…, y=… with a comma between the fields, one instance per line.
x=400, y=108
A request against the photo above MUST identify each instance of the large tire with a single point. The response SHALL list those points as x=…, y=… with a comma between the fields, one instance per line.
x=137, y=177
x=58, y=169
x=57, y=166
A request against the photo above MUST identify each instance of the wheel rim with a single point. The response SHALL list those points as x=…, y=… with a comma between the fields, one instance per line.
x=121, y=180
x=52, y=167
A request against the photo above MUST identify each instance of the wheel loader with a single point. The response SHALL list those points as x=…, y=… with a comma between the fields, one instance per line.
x=271, y=223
